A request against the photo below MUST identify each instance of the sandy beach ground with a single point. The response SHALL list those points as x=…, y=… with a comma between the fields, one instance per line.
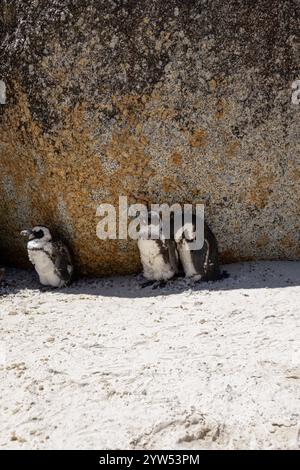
x=106, y=364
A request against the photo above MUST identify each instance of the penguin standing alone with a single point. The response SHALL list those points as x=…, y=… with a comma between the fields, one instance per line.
x=51, y=259
x=159, y=256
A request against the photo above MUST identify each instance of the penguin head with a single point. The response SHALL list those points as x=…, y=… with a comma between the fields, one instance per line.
x=38, y=233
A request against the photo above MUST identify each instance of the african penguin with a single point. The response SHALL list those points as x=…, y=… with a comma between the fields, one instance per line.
x=199, y=264
x=159, y=256
x=51, y=259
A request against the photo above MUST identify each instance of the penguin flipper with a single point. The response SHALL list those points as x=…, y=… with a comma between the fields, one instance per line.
x=154, y=284
x=62, y=261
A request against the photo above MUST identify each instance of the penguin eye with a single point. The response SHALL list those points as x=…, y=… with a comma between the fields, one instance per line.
x=38, y=234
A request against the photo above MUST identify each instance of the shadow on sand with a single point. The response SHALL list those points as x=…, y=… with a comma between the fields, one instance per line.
x=251, y=275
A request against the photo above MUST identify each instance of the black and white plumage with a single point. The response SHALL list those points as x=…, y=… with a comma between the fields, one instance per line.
x=199, y=264
x=51, y=259
x=159, y=256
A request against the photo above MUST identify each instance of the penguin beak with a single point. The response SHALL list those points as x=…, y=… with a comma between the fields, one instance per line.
x=26, y=233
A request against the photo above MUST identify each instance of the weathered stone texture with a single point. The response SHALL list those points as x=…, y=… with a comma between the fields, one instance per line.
x=163, y=101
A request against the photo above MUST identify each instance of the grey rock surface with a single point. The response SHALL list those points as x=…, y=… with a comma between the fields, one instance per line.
x=178, y=101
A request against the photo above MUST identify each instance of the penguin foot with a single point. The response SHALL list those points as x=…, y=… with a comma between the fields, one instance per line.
x=216, y=276
x=147, y=284
x=180, y=275
x=154, y=284
x=43, y=288
x=159, y=284
x=224, y=275
x=193, y=280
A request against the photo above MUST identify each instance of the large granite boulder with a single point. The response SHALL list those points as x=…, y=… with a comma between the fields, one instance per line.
x=162, y=101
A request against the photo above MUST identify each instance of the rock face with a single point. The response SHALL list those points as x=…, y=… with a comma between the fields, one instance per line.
x=178, y=101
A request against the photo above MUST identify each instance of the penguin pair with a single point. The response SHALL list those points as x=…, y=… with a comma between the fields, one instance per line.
x=163, y=259
x=51, y=258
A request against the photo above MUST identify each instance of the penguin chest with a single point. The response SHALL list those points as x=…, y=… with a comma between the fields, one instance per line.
x=155, y=265
x=44, y=267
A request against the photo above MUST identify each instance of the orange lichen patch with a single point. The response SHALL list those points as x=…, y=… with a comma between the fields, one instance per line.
x=157, y=109
x=50, y=180
x=221, y=166
x=130, y=107
x=197, y=139
x=228, y=256
x=287, y=242
x=165, y=113
x=258, y=187
x=245, y=258
x=222, y=107
x=262, y=241
x=132, y=172
x=176, y=158
x=260, y=193
x=169, y=184
x=231, y=149
x=212, y=85
x=129, y=152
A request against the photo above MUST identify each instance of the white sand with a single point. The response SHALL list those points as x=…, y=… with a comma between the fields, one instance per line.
x=106, y=364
